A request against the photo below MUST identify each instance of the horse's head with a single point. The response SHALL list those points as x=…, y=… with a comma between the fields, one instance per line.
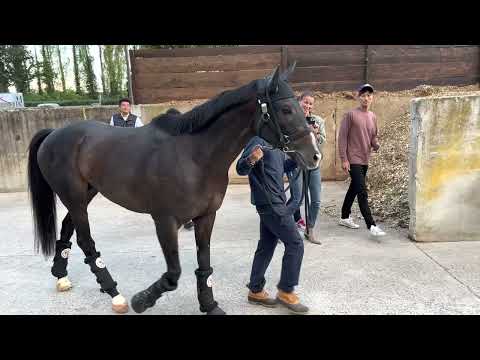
x=282, y=122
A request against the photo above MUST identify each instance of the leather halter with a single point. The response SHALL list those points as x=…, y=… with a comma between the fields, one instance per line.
x=268, y=117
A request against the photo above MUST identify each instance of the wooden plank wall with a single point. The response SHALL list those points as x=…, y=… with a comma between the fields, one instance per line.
x=201, y=73
x=327, y=67
x=405, y=67
x=197, y=73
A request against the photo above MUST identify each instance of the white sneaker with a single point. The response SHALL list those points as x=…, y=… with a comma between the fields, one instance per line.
x=348, y=223
x=376, y=231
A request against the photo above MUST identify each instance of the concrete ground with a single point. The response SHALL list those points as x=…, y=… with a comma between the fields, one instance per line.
x=348, y=274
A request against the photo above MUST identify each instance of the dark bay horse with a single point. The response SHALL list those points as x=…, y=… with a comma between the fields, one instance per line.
x=182, y=162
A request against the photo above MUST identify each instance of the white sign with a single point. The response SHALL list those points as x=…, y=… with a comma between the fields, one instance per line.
x=12, y=100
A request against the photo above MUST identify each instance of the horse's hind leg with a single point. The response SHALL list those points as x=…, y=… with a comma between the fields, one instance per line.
x=75, y=198
x=63, y=246
x=167, y=233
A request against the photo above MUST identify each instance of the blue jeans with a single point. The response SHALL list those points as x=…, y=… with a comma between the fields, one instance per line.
x=295, y=189
x=314, y=189
x=273, y=228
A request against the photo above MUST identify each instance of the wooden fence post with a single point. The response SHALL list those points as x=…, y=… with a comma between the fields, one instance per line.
x=131, y=77
x=366, y=63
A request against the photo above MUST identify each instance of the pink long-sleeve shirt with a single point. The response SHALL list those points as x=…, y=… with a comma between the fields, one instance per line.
x=357, y=136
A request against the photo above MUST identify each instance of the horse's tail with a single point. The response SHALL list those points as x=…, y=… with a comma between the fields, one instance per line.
x=42, y=199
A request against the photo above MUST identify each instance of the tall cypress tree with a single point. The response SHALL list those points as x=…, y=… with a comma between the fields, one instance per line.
x=110, y=73
x=87, y=70
x=3, y=69
x=76, y=71
x=102, y=74
x=60, y=66
x=121, y=66
x=37, y=73
x=48, y=73
x=114, y=59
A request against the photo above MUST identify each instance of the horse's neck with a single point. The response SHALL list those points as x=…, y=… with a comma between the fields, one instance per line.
x=227, y=137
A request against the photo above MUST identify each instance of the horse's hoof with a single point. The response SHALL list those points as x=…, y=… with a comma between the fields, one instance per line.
x=140, y=302
x=216, y=311
x=119, y=304
x=63, y=284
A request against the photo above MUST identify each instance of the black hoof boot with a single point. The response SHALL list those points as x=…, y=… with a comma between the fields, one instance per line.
x=216, y=311
x=142, y=301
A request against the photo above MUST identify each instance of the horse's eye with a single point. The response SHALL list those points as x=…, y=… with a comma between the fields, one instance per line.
x=286, y=110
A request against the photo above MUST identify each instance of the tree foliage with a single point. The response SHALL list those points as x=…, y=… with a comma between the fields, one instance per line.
x=88, y=75
x=114, y=64
x=48, y=73
x=61, y=66
x=16, y=68
x=38, y=74
x=4, y=80
x=76, y=71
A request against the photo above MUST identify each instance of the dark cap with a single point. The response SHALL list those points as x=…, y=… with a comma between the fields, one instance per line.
x=365, y=87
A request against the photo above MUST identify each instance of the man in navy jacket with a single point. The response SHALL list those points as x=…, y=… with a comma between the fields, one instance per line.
x=265, y=167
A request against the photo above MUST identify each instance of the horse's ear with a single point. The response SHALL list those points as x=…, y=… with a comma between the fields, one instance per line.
x=273, y=84
x=289, y=71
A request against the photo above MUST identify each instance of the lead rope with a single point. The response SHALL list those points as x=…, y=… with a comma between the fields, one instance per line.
x=293, y=180
x=306, y=185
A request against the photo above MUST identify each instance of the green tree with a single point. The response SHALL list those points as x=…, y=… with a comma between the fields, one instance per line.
x=37, y=73
x=114, y=61
x=60, y=67
x=87, y=70
x=121, y=67
x=110, y=80
x=16, y=68
x=4, y=81
x=48, y=74
x=76, y=71
x=31, y=73
x=102, y=73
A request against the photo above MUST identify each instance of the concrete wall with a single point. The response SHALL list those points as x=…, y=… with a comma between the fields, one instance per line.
x=18, y=127
x=444, y=169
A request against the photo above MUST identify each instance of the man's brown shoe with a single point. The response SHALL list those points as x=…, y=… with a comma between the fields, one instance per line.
x=291, y=302
x=261, y=298
x=311, y=237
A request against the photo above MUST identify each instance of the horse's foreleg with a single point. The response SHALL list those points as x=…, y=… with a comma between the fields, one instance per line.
x=203, y=232
x=167, y=233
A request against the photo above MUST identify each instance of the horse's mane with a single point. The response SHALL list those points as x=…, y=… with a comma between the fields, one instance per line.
x=201, y=116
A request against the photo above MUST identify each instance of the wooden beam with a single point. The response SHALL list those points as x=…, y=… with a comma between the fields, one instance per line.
x=366, y=63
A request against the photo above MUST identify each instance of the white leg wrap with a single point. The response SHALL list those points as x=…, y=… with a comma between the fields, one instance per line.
x=119, y=304
x=119, y=300
x=63, y=284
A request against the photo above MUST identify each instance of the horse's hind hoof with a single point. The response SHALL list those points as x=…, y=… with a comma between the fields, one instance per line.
x=63, y=284
x=216, y=311
x=119, y=304
x=140, y=302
